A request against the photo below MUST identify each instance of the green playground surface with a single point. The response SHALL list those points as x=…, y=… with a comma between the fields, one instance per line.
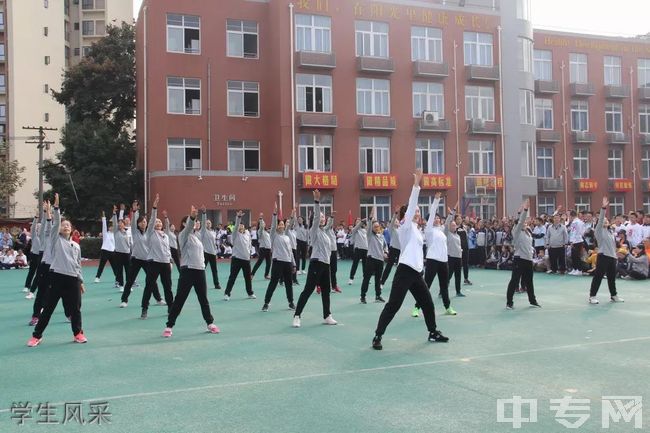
x=260, y=375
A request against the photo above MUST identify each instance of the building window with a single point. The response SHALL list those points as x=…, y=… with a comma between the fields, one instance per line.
x=381, y=203
x=643, y=69
x=484, y=208
x=76, y=25
x=313, y=33
x=477, y=48
x=430, y=155
x=479, y=103
x=646, y=203
x=425, y=201
x=612, y=70
x=46, y=117
x=373, y=97
x=77, y=51
x=372, y=39
x=581, y=163
x=47, y=60
x=183, y=154
x=3, y=113
x=46, y=31
x=616, y=205
x=243, y=155
x=242, y=39
x=315, y=153
x=526, y=107
x=426, y=44
x=577, y=68
x=314, y=93
x=86, y=51
x=306, y=206
x=528, y=159
x=481, y=157
x=374, y=155
x=46, y=88
x=645, y=163
x=579, y=116
x=88, y=27
x=523, y=10
x=544, y=113
x=545, y=205
x=93, y=4
x=644, y=119
x=2, y=52
x=183, y=34
x=46, y=4
x=428, y=97
x=543, y=65
x=545, y=168
x=583, y=203
x=525, y=54
x=2, y=20
x=243, y=99
x=3, y=83
x=615, y=163
x=183, y=95
x=614, y=117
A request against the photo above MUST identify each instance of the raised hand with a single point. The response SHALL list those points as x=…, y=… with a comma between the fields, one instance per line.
x=438, y=195
x=275, y=208
x=526, y=204
x=135, y=206
x=605, y=202
x=316, y=195
x=456, y=205
x=193, y=212
x=203, y=208
x=56, y=199
x=155, y=202
x=122, y=206
x=417, y=177
x=164, y=214
x=114, y=208
x=240, y=213
x=103, y=214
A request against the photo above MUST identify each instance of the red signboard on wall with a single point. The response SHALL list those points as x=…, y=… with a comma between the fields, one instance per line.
x=436, y=181
x=621, y=185
x=489, y=182
x=316, y=180
x=587, y=185
x=379, y=181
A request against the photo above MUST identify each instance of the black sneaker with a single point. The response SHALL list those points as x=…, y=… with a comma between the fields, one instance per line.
x=437, y=337
x=535, y=305
x=376, y=343
x=363, y=300
x=144, y=314
x=265, y=308
x=218, y=287
x=467, y=282
x=291, y=306
x=460, y=295
x=379, y=299
x=510, y=307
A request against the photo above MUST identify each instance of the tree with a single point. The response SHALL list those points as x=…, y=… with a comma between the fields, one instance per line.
x=97, y=165
x=10, y=178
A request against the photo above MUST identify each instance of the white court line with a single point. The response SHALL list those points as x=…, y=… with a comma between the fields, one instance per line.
x=463, y=359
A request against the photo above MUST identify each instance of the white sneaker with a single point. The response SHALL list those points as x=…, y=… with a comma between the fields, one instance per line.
x=593, y=300
x=381, y=286
x=350, y=282
x=296, y=322
x=120, y=288
x=26, y=289
x=226, y=298
x=549, y=272
x=252, y=296
x=123, y=305
x=330, y=321
x=616, y=299
x=96, y=279
x=29, y=295
x=161, y=303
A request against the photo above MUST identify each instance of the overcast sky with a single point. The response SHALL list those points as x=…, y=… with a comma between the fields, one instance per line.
x=620, y=17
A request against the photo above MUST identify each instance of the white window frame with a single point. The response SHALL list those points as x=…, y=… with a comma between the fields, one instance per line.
x=242, y=147
x=379, y=148
x=525, y=54
x=580, y=162
x=645, y=163
x=239, y=89
x=187, y=85
x=478, y=101
x=306, y=205
x=478, y=49
x=428, y=97
x=371, y=39
x=304, y=82
x=526, y=107
x=582, y=203
x=482, y=157
x=184, y=144
x=644, y=118
x=426, y=44
x=544, y=107
x=373, y=92
x=314, y=36
x=646, y=203
x=236, y=32
x=430, y=155
x=545, y=204
x=614, y=117
x=320, y=147
x=615, y=163
x=383, y=206
x=612, y=70
x=643, y=72
x=186, y=23
x=528, y=159
x=579, y=112
x=426, y=200
x=578, y=68
x=616, y=204
x=545, y=162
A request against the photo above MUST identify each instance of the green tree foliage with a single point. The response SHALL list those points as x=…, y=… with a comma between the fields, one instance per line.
x=10, y=178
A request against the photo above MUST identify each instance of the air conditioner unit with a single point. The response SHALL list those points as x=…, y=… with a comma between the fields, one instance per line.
x=478, y=124
x=431, y=118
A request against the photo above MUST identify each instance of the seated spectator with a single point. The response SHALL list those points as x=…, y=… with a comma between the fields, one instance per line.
x=592, y=260
x=638, y=264
x=493, y=259
x=541, y=262
x=8, y=260
x=506, y=260
x=621, y=262
x=21, y=260
x=227, y=251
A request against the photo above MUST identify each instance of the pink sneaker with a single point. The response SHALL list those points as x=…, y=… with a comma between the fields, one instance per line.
x=167, y=332
x=213, y=329
x=33, y=342
x=34, y=321
x=80, y=338
x=318, y=290
x=337, y=289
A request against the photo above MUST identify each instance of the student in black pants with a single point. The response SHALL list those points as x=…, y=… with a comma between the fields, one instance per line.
x=393, y=249
x=302, y=237
x=454, y=250
x=264, y=251
x=408, y=277
x=523, y=263
x=464, y=245
x=241, y=258
x=35, y=254
x=192, y=274
x=283, y=261
x=375, y=261
x=209, y=240
x=122, y=248
x=170, y=231
x=360, y=241
x=606, y=262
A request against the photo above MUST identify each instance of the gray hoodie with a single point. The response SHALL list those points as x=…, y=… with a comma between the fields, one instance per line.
x=66, y=254
x=36, y=239
x=263, y=236
x=331, y=233
x=291, y=224
x=140, y=240
x=280, y=243
x=556, y=236
x=320, y=240
x=158, y=241
x=191, y=247
x=359, y=237
x=639, y=264
x=394, y=235
x=208, y=237
x=605, y=238
x=46, y=230
x=122, y=244
x=376, y=243
x=241, y=242
x=522, y=239
x=453, y=239
x=173, y=240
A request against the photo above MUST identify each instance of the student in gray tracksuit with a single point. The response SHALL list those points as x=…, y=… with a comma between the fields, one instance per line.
x=375, y=260
x=523, y=263
x=35, y=252
x=264, y=251
x=283, y=262
x=302, y=237
x=67, y=279
x=122, y=249
x=606, y=262
x=43, y=238
x=393, y=249
x=319, y=266
x=454, y=250
x=556, y=240
x=291, y=225
x=42, y=281
x=192, y=273
x=241, y=258
x=360, y=240
x=209, y=240
x=334, y=260
x=173, y=242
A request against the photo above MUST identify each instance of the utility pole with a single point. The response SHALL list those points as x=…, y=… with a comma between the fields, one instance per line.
x=42, y=144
